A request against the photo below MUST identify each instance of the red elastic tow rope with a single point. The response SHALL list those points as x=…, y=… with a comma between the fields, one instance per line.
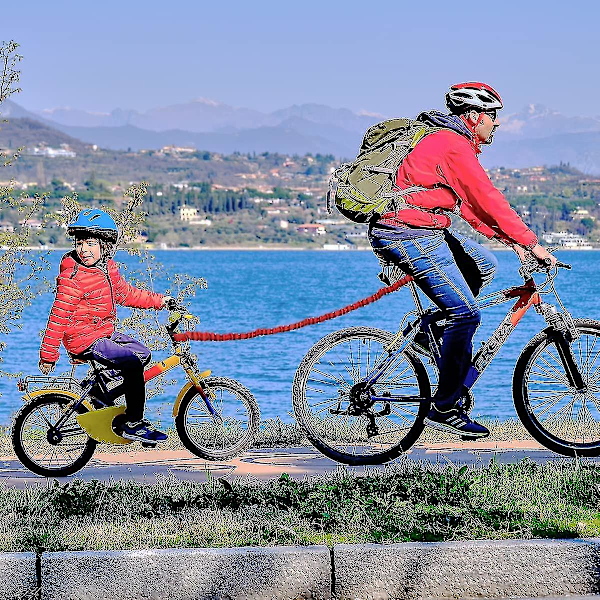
x=209, y=336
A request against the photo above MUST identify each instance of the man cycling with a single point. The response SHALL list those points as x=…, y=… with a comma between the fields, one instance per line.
x=448, y=267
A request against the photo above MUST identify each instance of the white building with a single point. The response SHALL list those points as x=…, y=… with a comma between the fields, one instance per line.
x=567, y=240
x=205, y=222
x=64, y=151
x=336, y=247
x=582, y=213
x=312, y=228
x=187, y=213
x=177, y=150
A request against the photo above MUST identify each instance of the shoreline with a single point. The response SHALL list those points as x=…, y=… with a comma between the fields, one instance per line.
x=272, y=248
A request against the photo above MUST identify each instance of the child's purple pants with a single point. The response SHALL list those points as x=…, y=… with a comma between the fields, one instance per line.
x=129, y=356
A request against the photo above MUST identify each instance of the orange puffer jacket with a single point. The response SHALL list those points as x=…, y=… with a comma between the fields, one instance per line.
x=84, y=309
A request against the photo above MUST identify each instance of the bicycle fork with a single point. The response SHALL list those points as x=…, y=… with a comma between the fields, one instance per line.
x=568, y=360
x=562, y=333
x=196, y=380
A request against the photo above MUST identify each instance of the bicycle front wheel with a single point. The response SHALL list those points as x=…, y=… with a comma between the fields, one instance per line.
x=359, y=432
x=229, y=430
x=44, y=448
x=559, y=416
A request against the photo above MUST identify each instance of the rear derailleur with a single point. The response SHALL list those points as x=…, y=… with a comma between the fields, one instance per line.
x=361, y=404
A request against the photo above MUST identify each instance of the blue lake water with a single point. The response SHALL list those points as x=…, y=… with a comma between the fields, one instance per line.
x=251, y=289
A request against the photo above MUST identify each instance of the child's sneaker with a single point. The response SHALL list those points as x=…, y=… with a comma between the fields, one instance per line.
x=157, y=435
x=141, y=431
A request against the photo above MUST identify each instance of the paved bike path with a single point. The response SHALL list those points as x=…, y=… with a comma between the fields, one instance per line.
x=266, y=463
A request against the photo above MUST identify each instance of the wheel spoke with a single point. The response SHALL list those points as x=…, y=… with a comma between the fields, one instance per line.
x=331, y=400
x=561, y=416
x=338, y=380
x=554, y=371
x=549, y=403
x=358, y=356
x=227, y=432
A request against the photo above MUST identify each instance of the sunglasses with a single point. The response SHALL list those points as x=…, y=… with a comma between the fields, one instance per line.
x=492, y=114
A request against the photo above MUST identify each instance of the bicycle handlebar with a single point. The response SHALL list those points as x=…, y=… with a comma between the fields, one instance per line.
x=532, y=265
x=562, y=265
x=178, y=313
x=173, y=305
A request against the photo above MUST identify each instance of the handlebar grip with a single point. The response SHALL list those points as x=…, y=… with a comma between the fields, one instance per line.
x=547, y=262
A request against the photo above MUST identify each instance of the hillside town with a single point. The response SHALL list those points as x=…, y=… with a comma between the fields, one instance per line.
x=206, y=199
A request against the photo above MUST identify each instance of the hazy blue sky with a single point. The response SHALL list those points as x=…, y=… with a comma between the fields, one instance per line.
x=385, y=56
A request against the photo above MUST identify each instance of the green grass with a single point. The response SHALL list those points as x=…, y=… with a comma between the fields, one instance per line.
x=408, y=502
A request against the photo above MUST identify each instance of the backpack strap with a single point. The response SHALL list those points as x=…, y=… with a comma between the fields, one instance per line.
x=374, y=169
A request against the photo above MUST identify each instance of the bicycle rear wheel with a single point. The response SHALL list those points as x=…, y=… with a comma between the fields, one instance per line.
x=226, y=433
x=555, y=413
x=332, y=371
x=44, y=449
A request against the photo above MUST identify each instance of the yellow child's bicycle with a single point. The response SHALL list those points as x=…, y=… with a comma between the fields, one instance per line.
x=56, y=432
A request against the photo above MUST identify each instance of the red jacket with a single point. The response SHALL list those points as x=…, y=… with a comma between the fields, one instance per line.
x=84, y=309
x=446, y=163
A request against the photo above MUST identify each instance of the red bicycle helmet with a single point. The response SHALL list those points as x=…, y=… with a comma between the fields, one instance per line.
x=472, y=95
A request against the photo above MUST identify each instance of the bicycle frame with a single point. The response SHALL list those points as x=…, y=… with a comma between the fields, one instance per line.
x=527, y=296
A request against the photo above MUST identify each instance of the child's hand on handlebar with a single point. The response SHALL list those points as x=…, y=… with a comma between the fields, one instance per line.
x=169, y=303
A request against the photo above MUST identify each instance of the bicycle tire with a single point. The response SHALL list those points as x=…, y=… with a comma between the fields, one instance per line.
x=334, y=439
x=23, y=441
x=534, y=397
x=242, y=420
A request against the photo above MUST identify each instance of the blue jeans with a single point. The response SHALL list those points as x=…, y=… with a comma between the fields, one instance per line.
x=451, y=270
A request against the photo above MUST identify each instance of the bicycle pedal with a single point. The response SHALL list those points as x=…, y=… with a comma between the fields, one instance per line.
x=148, y=445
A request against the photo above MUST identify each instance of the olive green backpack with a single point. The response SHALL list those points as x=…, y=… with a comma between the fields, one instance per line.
x=363, y=189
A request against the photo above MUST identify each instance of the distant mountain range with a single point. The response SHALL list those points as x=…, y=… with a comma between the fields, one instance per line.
x=538, y=121
x=206, y=116
x=534, y=136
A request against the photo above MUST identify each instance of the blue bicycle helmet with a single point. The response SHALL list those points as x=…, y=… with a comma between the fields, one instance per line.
x=95, y=222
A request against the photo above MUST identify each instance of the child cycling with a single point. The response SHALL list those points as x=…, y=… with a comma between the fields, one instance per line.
x=89, y=286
